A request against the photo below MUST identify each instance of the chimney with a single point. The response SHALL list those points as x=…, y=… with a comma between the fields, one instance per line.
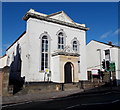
x=110, y=43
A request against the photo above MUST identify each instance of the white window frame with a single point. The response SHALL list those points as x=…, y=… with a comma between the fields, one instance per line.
x=48, y=52
x=75, y=40
x=61, y=44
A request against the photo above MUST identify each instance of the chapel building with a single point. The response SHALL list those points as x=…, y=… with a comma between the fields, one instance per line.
x=53, y=48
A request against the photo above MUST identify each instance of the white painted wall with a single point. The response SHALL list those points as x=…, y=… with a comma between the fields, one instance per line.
x=37, y=27
x=31, y=49
x=55, y=65
x=3, y=61
x=24, y=51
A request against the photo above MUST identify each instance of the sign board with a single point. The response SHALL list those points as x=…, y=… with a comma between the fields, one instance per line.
x=112, y=66
x=46, y=70
x=94, y=71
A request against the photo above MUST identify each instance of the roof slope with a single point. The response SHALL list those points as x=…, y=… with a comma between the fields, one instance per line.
x=16, y=40
x=105, y=43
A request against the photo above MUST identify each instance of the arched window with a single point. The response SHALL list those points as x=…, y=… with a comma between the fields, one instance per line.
x=61, y=41
x=44, y=53
x=75, y=45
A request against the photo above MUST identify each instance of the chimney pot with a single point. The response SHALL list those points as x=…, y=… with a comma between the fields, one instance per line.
x=110, y=43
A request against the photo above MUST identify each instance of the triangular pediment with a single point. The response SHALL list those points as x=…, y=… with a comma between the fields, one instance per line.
x=55, y=17
x=62, y=16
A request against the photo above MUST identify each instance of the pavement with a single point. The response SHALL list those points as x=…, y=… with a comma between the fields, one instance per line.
x=37, y=96
x=6, y=100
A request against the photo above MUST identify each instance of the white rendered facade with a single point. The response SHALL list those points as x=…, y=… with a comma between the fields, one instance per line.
x=96, y=54
x=3, y=61
x=43, y=54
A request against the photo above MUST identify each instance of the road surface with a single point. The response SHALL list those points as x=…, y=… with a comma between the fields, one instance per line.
x=87, y=101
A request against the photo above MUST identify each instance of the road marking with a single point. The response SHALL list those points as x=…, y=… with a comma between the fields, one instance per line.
x=21, y=103
x=71, y=107
x=115, y=101
x=108, y=93
x=95, y=103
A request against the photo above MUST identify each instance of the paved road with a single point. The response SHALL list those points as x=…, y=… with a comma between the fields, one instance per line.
x=88, y=101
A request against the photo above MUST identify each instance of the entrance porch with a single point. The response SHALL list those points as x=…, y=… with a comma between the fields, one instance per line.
x=65, y=69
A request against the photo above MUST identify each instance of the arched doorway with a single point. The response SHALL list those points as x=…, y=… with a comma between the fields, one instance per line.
x=68, y=72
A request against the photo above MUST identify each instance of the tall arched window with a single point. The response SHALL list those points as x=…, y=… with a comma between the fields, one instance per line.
x=44, y=53
x=61, y=41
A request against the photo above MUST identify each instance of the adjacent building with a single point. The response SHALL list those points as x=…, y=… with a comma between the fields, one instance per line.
x=99, y=52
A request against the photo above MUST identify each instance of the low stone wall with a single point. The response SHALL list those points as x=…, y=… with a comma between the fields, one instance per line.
x=4, y=81
x=105, y=78
x=94, y=81
x=43, y=87
x=1, y=80
x=39, y=87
